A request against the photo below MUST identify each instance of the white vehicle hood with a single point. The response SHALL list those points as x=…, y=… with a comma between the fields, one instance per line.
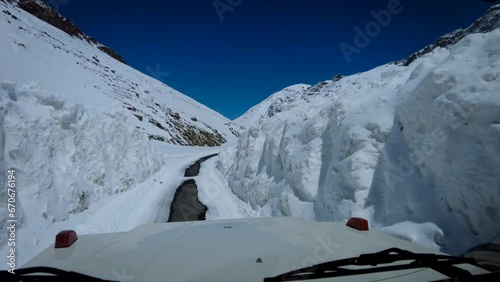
x=225, y=250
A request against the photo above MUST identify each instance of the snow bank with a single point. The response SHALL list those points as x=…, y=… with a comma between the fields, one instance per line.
x=425, y=234
x=444, y=166
x=215, y=194
x=394, y=144
x=66, y=156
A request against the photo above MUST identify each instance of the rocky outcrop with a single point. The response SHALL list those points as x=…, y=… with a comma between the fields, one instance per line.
x=289, y=95
x=111, y=53
x=488, y=22
x=161, y=112
x=42, y=11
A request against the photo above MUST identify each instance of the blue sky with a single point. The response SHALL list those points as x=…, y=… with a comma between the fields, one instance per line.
x=232, y=59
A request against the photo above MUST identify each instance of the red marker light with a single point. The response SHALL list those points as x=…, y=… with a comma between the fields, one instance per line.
x=65, y=239
x=358, y=223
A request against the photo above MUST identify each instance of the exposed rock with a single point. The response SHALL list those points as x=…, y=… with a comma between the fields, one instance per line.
x=111, y=53
x=45, y=13
x=156, y=137
x=488, y=22
x=283, y=103
x=160, y=122
x=315, y=89
x=338, y=77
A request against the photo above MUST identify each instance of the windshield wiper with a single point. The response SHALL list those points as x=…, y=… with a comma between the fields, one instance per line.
x=46, y=274
x=440, y=263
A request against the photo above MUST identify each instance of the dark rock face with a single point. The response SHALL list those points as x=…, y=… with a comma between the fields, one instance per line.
x=175, y=128
x=488, y=22
x=111, y=53
x=52, y=17
x=337, y=77
x=183, y=133
x=275, y=107
x=316, y=88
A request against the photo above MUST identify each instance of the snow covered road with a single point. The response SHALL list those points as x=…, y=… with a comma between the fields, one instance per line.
x=147, y=202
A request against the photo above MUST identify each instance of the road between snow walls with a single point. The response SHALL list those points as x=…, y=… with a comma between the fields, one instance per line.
x=186, y=206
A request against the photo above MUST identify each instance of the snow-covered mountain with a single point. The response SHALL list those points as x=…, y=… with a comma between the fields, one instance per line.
x=412, y=147
x=76, y=125
x=66, y=61
x=488, y=22
x=272, y=105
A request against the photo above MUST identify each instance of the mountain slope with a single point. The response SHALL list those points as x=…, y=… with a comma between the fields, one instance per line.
x=271, y=105
x=414, y=146
x=74, y=66
x=76, y=126
x=488, y=22
x=45, y=13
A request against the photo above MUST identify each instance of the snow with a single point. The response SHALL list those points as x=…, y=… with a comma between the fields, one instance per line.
x=425, y=234
x=82, y=160
x=450, y=143
x=71, y=176
x=260, y=110
x=62, y=160
x=33, y=50
x=413, y=149
x=214, y=192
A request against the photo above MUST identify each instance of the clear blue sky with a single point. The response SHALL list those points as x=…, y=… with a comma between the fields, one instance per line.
x=260, y=46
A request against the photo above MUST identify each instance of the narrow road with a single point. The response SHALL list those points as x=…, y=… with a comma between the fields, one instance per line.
x=185, y=205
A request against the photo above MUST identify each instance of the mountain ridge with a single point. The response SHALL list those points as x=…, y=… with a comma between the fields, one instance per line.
x=489, y=21
x=271, y=105
x=76, y=68
x=486, y=23
x=413, y=146
x=47, y=14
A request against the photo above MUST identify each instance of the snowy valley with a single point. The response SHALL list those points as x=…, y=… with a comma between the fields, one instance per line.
x=414, y=145
x=76, y=68
x=97, y=146
x=77, y=126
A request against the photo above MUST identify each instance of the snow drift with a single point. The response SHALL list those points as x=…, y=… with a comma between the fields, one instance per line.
x=415, y=149
x=62, y=160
